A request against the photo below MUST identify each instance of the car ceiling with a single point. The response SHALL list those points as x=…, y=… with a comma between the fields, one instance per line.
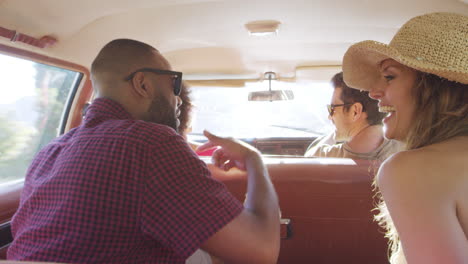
x=208, y=38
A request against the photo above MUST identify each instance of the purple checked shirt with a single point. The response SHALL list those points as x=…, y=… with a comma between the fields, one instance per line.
x=118, y=190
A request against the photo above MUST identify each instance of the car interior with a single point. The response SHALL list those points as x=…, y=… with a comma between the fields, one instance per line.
x=258, y=71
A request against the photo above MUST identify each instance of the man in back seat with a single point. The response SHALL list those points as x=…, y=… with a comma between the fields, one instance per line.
x=358, y=127
x=124, y=187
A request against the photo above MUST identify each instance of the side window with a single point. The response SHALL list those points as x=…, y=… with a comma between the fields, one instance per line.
x=33, y=100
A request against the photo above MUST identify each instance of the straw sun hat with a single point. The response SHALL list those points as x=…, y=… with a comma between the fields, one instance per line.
x=435, y=43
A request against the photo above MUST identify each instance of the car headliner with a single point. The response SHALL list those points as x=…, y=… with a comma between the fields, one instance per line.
x=207, y=39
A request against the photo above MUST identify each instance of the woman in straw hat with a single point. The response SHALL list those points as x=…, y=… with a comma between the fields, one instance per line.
x=421, y=81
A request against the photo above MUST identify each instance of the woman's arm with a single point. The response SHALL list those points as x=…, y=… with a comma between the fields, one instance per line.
x=420, y=195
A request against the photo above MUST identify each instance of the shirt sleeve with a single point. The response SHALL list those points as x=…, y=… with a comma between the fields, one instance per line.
x=328, y=151
x=317, y=145
x=182, y=205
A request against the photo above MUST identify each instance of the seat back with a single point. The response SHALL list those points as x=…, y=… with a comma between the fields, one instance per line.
x=328, y=204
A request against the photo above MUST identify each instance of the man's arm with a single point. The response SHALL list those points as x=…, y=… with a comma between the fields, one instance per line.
x=253, y=236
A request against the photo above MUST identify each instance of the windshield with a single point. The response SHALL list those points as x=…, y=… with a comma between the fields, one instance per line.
x=227, y=111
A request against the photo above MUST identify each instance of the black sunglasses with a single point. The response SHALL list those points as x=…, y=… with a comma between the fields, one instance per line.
x=177, y=81
x=331, y=108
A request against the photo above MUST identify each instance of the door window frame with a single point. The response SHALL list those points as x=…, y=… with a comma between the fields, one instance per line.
x=80, y=94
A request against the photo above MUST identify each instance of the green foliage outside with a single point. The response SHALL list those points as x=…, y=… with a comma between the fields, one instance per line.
x=19, y=141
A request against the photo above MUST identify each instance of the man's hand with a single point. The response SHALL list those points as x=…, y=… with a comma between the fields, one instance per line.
x=232, y=152
x=254, y=235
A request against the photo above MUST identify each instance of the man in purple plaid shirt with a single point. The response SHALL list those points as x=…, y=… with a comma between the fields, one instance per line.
x=124, y=187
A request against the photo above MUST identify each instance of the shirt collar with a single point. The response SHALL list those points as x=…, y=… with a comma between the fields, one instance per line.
x=105, y=108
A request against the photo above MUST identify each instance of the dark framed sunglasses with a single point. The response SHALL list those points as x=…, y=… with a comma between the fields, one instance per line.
x=177, y=81
x=331, y=107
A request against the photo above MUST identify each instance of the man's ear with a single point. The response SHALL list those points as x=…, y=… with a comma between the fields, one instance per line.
x=356, y=109
x=139, y=85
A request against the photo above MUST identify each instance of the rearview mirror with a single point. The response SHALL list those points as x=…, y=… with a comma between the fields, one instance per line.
x=271, y=95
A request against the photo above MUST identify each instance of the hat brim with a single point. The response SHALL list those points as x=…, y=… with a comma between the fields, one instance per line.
x=361, y=65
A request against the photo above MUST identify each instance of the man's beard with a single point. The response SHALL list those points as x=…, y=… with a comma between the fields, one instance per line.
x=161, y=112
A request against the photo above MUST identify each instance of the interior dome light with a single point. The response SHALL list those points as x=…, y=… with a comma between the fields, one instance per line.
x=263, y=27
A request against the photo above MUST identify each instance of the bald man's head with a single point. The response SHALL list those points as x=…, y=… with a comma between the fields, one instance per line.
x=146, y=96
x=120, y=57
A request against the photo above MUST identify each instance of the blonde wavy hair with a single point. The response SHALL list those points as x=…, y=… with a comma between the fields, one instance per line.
x=441, y=114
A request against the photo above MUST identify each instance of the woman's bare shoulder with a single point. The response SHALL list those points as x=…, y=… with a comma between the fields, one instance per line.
x=399, y=168
x=442, y=166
